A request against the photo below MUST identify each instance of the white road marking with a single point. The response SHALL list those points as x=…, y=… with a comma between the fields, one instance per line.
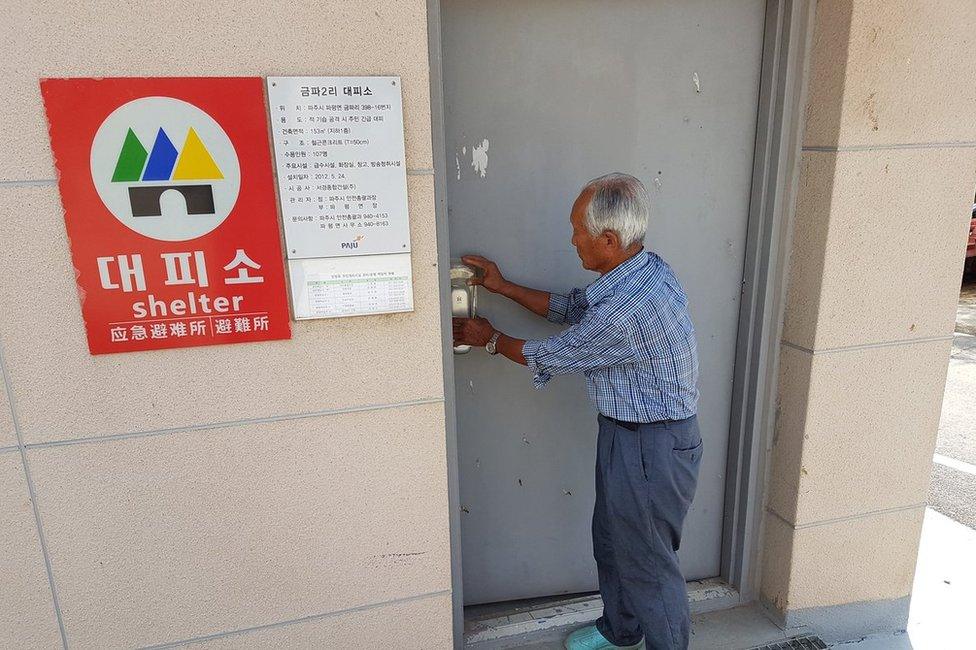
x=955, y=464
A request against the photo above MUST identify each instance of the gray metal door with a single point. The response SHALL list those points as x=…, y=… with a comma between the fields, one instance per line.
x=540, y=96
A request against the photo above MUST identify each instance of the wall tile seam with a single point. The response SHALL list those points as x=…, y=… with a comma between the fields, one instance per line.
x=7, y=450
x=854, y=148
x=32, y=495
x=298, y=621
x=840, y=520
x=47, y=182
x=366, y=408
x=41, y=182
x=866, y=346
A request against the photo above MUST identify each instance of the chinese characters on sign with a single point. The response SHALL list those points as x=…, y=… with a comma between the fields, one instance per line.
x=342, y=182
x=171, y=247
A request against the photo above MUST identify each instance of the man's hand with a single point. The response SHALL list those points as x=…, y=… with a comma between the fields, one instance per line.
x=472, y=331
x=491, y=278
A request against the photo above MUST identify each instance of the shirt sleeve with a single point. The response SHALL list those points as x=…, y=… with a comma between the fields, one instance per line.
x=567, y=308
x=589, y=344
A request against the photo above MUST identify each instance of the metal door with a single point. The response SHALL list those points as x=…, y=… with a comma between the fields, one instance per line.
x=540, y=96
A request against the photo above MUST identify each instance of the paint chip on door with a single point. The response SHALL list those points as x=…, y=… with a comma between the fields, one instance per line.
x=479, y=158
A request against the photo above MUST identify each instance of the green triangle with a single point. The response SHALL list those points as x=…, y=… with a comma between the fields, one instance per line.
x=132, y=158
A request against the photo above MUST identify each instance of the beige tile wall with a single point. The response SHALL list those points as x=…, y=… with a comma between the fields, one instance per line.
x=877, y=244
x=7, y=436
x=887, y=178
x=219, y=38
x=860, y=425
x=421, y=624
x=186, y=534
x=230, y=487
x=27, y=617
x=850, y=561
x=891, y=72
x=327, y=364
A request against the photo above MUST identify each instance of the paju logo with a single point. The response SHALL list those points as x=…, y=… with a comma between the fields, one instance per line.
x=354, y=243
x=165, y=193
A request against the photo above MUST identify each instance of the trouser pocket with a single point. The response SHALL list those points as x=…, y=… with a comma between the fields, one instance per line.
x=689, y=454
x=685, y=463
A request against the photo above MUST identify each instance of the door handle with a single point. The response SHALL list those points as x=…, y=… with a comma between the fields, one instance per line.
x=464, y=296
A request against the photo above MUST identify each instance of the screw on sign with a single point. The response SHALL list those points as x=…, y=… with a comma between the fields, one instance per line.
x=170, y=210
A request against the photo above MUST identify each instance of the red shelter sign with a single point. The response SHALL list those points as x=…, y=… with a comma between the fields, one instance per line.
x=170, y=209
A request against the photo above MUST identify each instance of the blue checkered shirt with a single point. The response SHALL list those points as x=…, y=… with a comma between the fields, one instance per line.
x=632, y=338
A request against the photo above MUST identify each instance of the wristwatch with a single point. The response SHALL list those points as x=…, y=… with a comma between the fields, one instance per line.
x=491, y=345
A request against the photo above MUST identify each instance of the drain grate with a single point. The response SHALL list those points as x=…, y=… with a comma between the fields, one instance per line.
x=806, y=642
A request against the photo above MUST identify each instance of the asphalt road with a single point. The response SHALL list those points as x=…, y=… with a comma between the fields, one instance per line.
x=953, y=488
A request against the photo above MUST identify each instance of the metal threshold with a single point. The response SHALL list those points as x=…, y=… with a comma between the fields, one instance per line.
x=495, y=622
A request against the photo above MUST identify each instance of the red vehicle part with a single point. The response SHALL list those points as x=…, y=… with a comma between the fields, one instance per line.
x=971, y=245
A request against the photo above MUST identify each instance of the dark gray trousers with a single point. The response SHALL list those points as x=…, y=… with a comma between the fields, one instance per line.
x=645, y=481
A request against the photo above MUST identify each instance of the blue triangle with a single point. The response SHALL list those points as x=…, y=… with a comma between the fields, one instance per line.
x=162, y=159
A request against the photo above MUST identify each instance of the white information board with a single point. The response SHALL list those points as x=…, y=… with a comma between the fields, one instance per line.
x=342, y=183
x=351, y=286
x=339, y=153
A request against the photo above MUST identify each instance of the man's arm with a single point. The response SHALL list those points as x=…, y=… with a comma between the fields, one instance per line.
x=534, y=300
x=511, y=348
x=478, y=331
x=594, y=342
x=491, y=279
x=553, y=306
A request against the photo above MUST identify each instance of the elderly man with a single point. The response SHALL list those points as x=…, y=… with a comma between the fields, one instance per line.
x=631, y=336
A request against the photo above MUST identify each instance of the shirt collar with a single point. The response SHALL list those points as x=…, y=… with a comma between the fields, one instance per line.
x=604, y=285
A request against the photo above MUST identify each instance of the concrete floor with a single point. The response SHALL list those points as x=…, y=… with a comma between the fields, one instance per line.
x=740, y=627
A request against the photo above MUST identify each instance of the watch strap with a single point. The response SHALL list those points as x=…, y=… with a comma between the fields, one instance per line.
x=492, y=345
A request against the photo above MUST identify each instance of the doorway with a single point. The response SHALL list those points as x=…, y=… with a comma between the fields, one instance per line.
x=540, y=97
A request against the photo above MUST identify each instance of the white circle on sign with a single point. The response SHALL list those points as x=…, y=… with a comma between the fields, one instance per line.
x=165, y=169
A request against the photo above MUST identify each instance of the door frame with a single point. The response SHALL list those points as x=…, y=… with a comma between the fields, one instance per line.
x=787, y=36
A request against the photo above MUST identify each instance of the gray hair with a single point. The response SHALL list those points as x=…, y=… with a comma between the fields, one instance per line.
x=619, y=203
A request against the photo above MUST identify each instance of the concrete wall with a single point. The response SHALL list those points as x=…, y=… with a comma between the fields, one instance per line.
x=886, y=182
x=298, y=487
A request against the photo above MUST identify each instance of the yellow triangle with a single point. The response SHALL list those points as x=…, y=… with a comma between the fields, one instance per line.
x=195, y=162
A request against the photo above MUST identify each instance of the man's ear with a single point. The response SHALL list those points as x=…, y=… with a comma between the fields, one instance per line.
x=610, y=238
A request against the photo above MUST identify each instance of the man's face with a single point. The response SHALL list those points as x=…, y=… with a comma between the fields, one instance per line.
x=591, y=250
